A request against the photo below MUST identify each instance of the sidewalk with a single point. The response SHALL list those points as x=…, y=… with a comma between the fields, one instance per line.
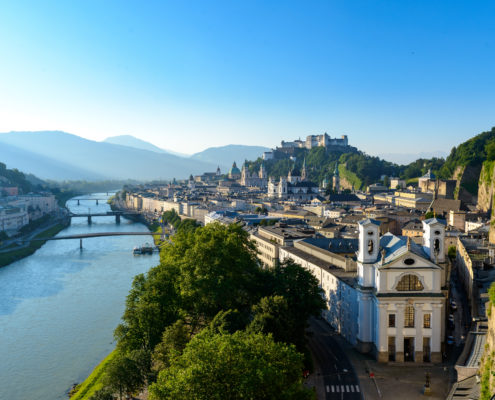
x=397, y=381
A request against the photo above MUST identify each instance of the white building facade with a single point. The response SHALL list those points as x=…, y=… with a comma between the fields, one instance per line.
x=393, y=305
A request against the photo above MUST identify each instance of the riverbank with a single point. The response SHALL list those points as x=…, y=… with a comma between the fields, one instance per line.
x=93, y=382
x=17, y=252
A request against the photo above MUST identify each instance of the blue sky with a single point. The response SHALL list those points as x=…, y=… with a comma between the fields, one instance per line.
x=395, y=76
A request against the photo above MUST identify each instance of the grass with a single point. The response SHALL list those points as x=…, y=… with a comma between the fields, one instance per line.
x=94, y=381
x=14, y=255
x=350, y=177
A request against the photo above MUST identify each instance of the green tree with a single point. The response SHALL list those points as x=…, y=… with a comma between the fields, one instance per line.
x=238, y=366
x=452, y=252
x=272, y=315
x=304, y=297
x=217, y=269
x=151, y=306
x=174, y=340
x=102, y=394
x=429, y=214
x=123, y=375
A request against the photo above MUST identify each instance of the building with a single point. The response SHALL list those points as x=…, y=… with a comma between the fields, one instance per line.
x=234, y=172
x=13, y=216
x=397, y=183
x=325, y=141
x=392, y=305
x=254, y=179
x=293, y=188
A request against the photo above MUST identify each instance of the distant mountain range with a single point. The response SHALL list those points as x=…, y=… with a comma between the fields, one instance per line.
x=224, y=156
x=62, y=156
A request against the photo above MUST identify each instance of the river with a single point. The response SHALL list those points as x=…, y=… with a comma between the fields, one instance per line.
x=59, y=306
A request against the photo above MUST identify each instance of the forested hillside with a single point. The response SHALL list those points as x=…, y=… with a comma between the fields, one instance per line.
x=15, y=177
x=356, y=167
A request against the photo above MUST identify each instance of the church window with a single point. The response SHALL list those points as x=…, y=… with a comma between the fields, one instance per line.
x=427, y=321
x=370, y=233
x=409, y=283
x=437, y=232
x=409, y=316
x=409, y=261
x=370, y=246
x=391, y=320
x=436, y=245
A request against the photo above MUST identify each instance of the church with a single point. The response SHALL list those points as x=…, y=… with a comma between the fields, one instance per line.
x=293, y=188
x=257, y=180
x=390, y=301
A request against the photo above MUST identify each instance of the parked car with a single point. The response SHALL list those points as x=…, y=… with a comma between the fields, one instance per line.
x=453, y=305
x=450, y=340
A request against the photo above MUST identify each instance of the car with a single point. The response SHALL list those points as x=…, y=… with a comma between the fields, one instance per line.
x=450, y=340
x=451, y=318
x=453, y=305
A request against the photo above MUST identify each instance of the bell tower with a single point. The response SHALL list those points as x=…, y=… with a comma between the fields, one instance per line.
x=434, y=239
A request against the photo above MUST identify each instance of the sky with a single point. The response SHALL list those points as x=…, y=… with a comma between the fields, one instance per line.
x=395, y=76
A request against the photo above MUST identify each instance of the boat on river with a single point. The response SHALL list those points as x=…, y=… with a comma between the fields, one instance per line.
x=144, y=249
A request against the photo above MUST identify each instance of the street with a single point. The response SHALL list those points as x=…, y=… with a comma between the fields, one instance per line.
x=335, y=377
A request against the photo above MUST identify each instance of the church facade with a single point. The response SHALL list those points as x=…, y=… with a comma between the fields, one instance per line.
x=391, y=304
x=293, y=188
x=258, y=180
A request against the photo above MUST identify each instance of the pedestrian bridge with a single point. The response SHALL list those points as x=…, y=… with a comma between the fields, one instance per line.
x=117, y=215
x=82, y=236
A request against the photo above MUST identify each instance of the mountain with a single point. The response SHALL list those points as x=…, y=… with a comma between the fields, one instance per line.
x=42, y=166
x=224, y=156
x=131, y=141
x=60, y=155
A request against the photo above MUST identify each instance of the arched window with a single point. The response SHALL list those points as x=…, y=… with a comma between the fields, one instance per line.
x=370, y=246
x=436, y=245
x=409, y=283
x=409, y=316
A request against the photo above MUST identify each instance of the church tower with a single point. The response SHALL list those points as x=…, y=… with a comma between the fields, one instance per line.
x=336, y=179
x=262, y=173
x=303, y=172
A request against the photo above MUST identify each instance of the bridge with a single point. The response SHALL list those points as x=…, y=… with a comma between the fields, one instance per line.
x=82, y=236
x=117, y=215
x=91, y=199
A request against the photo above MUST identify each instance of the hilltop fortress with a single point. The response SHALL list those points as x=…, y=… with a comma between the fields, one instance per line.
x=324, y=140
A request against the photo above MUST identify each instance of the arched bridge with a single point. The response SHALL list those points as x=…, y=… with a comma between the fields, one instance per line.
x=117, y=215
x=82, y=236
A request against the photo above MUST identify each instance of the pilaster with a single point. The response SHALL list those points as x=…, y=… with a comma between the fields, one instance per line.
x=418, y=341
x=399, y=338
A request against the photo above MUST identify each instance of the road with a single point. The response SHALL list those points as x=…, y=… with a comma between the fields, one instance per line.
x=337, y=377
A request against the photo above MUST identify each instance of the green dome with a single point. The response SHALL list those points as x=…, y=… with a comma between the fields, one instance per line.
x=234, y=170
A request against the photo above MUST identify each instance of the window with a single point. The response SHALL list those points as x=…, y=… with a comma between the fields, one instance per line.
x=409, y=283
x=436, y=245
x=409, y=317
x=370, y=246
x=427, y=321
x=391, y=320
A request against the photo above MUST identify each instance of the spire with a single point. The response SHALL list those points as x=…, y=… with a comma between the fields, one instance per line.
x=303, y=172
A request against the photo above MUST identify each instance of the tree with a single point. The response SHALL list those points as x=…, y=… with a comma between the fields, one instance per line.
x=102, y=394
x=174, y=340
x=217, y=270
x=123, y=375
x=238, y=366
x=152, y=305
x=272, y=315
x=303, y=295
